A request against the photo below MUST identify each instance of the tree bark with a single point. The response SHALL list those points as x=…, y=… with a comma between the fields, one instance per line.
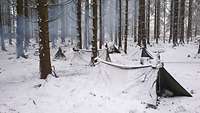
x=44, y=50
x=79, y=30
x=86, y=33
x=126, y=28
x=141, y=26
x=120, y=25
x=171, y=20
x=148, y=21
x=20, y=29
x=182, y=18
x=175, y=26
x=135, y=20
x=189, y=30
x=94, y=29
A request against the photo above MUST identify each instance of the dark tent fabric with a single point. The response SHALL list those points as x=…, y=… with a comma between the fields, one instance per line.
x=167, y=86
x=145, y=53
x=59, y=54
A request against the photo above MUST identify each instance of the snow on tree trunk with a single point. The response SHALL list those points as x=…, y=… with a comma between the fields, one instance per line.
x=44, y=50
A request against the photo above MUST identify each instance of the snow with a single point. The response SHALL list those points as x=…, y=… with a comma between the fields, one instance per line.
x=100, y=89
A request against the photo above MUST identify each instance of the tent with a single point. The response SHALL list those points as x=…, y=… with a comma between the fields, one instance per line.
x=145, y=53
x=167, y=86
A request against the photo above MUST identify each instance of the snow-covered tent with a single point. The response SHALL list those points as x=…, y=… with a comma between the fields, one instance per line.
x=148, y=83
x=138, y=53
x=145, y=53
x=167, y=86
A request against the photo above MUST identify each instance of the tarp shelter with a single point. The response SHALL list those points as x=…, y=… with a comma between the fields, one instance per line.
x=145, y=53
x=167, y=86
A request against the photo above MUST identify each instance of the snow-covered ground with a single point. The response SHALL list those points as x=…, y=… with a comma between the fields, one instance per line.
x=100, y=89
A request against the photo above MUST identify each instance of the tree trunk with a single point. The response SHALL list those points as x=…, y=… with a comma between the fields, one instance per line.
x=120, y=25
x=94, y=29
x=135, y=20
x=148, y=21
x=175, y=26
x=79, y=36
x=27, y=26
x=164, y=26
x=100, y=25
x=171, y=20
x=126, y=28
x=189, y=30
x=20, y=29
x=182, y=18
x=1, y=29
x=86, y=33
x=63, y=23
x=157, y=21
x=141, y=26
x=44, y=50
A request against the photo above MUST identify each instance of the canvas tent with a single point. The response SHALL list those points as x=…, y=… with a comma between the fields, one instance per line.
x=145, y=53
x=167, y=86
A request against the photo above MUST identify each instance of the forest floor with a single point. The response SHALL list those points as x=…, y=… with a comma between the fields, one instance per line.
x=81, y=88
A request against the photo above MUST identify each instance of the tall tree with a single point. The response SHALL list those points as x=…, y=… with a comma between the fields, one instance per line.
x=164, y=26
x=94, y=30
x=1, y=28
x=157, y=20
x=171, y=20
x=148, y=21
x=20, y=29
x=86, y=33
x=79, y=30
x=44, y=50
x=135, y=20
x=27, y=25
x=126, y=28
x=63, y=22
x=181, y=22
x=100, y=25
x=53, y=21
x=189, y=26
x=141, y=26
x=175, y=22
x=120, y=25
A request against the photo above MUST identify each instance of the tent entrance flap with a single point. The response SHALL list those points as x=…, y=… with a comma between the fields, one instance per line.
x=167, y=86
